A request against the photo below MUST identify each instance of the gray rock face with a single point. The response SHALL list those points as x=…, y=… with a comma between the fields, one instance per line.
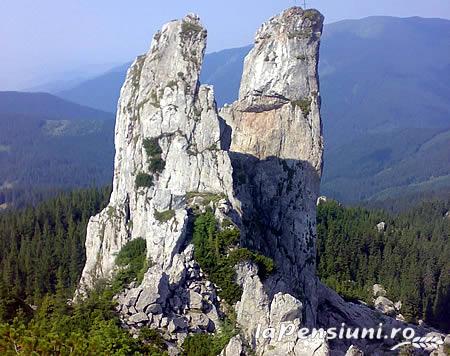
x=276, y=152
x=262, y=156
x=160, y=100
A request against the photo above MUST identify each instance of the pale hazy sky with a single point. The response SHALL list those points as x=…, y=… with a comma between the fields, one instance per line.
x=41, y=39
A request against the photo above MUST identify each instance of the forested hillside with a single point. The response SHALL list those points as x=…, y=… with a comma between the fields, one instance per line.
x=48, y=144
x=411, y=258
x=42, y=249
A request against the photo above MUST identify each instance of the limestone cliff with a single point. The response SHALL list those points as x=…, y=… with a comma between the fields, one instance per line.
x=276, y=152
x=257, y=163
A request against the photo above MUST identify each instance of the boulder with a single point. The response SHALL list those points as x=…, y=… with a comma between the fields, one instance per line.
x=354, y=351
x=138, y=318
x=385, y=305
x=201, y=321
x=379, y=291
x=381, y=226
x=234, y=348
x=195, y=300
x=177, y=324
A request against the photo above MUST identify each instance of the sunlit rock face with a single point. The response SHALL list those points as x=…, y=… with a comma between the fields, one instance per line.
x=260, y=157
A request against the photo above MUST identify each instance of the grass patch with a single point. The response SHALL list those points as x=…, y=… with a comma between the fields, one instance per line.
x=132, y=263
x=164, y=216
x=310, y=15
x=144, y=180
x=154, y=152
x=152, y=147
x=189, y=28
x=304, y=105
x=213, y=252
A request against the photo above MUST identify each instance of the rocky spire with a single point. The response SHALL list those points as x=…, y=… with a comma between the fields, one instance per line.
x=167, y=144
x=276, y=151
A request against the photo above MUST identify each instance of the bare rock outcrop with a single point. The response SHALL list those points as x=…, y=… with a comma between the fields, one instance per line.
x=276, y=152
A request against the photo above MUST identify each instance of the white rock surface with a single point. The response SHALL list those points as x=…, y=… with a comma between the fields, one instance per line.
x=354, y=351
x=161, y=99
x=379, y=291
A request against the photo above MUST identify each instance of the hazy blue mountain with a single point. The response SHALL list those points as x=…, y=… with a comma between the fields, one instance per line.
x=46, y=105
x=101, y=92
x=384, y=73
x=224, y=69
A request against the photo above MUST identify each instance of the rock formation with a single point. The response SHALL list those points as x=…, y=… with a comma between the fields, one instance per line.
x=167, y=146
x=276, y=152
x=261, y=157
x=255, y=164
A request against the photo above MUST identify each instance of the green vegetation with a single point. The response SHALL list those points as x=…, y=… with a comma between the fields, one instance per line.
x=152, y=147
x=300, y=34
x=144, y=180
x=304, y=105
x=42, y=254
x=43, y=246
x=154, y=151
x=89, y=327
x=164, y=216
x=310, y=14
x=215, y=252
x=41, y=258
x=172, y=84
x=189, y=28
x=209, y=344
x=411, y=259
x=207, y=197
x=132, y=264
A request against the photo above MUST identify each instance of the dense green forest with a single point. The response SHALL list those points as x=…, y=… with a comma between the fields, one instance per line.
x=42, y=254
x=43, y=246
x=411, y=258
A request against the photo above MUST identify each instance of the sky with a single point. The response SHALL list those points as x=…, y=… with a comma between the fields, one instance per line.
x=45, y=40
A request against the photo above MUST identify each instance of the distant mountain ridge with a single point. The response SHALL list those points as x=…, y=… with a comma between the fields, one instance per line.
x=385, y=104
x=47, y=105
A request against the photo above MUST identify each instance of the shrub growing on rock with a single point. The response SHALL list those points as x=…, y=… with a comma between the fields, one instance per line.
x=214, y=253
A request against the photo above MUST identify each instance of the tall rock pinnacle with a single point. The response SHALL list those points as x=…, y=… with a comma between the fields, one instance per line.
x=276, y=150
x=257, y=163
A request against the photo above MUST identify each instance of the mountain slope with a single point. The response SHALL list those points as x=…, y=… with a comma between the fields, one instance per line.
x=47, y=144
x=383, y=73
x=47, y=105
x=101, y=92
